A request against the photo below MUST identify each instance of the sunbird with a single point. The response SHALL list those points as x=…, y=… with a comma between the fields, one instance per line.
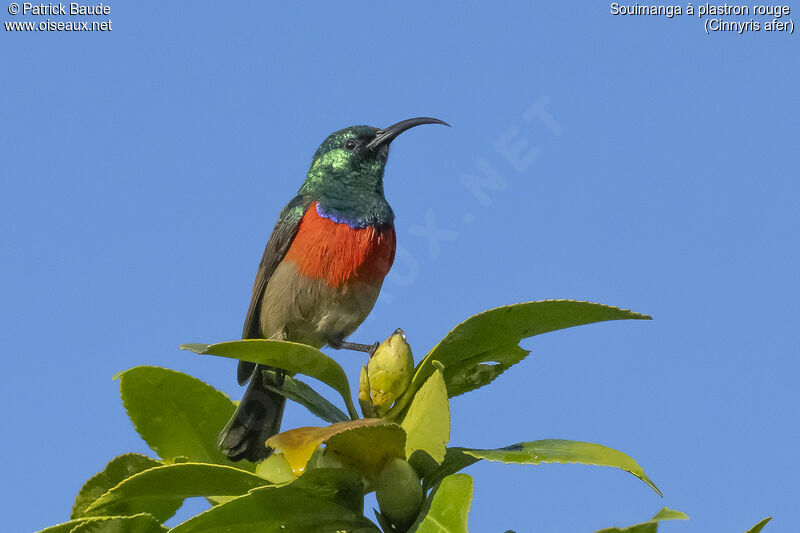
x=321, y=271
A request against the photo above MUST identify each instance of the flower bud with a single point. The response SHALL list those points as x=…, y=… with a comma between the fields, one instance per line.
x=389, y=372
x=399, y=492
x=364, y=396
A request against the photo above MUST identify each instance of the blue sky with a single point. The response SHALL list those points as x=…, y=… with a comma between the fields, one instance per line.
x=143, y=169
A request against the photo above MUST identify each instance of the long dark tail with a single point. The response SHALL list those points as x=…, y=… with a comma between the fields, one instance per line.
x=257, y=418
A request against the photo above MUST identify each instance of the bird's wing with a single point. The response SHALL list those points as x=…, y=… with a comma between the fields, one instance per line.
x=279, y=242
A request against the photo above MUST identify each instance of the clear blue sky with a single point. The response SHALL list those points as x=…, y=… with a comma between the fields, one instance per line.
x=143, y=169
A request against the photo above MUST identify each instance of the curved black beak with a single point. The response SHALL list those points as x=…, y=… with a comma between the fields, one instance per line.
x=387, y=135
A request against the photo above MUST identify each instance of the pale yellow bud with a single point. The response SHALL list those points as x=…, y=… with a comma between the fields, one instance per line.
x=389, y=372
x=364, y=396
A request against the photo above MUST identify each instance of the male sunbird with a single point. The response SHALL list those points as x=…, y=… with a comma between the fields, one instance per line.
x=321, y=271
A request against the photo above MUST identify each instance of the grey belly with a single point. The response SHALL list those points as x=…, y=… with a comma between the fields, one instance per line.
x=299, y=309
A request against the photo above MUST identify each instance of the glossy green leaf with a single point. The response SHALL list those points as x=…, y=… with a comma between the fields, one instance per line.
x=295, y=358
x=475, y=372
x=563, y=451
x=479, y=349
x=320, y=500
x=364, y=444
x=669, y=514
x=161, y=490
x=65, y=527
x=512, y=323
x=366, y=449
x=537, y=452
x=176, y=414
x=758, y=527
x=449, y=506
x=116, y=470
x=141, y=523
x=338, y=485
x=427, y=421
x=455, y=460
x=299, y=392
x=651, y=526
x=275, y=469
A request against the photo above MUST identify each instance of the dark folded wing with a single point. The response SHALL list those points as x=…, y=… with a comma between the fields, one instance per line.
x=279, y=242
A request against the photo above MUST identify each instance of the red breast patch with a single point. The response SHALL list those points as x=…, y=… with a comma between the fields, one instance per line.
x=326, y=249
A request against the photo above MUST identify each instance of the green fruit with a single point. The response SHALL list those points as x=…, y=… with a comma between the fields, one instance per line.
x=399, y=493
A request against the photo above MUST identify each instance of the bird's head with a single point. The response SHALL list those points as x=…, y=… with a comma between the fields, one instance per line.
x=350, y=162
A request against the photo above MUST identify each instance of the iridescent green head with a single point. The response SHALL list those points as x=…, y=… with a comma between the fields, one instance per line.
x=346, y=174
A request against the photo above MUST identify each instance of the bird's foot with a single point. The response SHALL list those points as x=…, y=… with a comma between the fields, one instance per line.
x=357, y=347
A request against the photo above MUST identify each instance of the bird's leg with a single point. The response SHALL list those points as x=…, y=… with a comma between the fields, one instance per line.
x=368, y=348
x=357, y=347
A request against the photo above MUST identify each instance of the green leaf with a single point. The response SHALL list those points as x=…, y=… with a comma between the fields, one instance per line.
x=299, y=392
x=116, y=470
x=338, y=485
x=475, y=372
x=295, y=358
x=160, y=491
x=492, y=337
x=364, y=444
x=275, y=469
x=427, y=422
x=536, y=452
x=366, y=449
x=651, y=526
x=454, y=461
x=512, y=323
x=449, y=507
x=758, y=527
x=176, y=414
x=65, y=527
x=563, y=451
x=141, y=523
x=320, y=500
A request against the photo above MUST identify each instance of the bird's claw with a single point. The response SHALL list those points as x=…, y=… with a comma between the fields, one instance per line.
x=372, y=348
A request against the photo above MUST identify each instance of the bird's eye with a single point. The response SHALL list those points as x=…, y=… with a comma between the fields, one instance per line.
x=350, y=145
